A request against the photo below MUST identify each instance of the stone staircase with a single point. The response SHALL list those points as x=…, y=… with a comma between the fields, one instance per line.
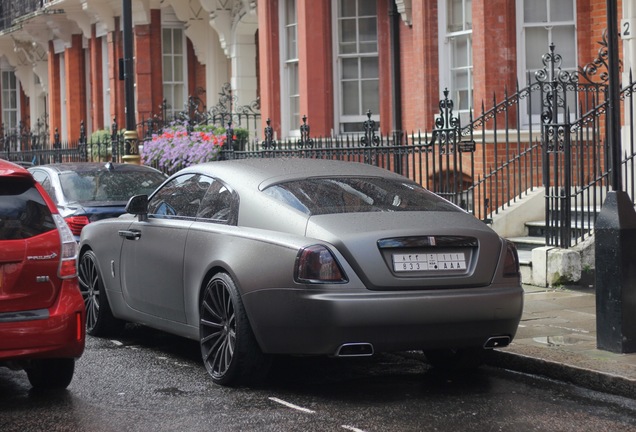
x=524, y=224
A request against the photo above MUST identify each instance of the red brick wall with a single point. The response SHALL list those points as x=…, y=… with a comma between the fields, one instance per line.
x=591, y=25
x=384, y=60
x=54, y=92
x=315, y=65
x=419, y=66
x=117, y=96
x=24, y=108
x=144, y=71
x=97, y=86
x=269, y=61
x=75, y=87
x=494, y=51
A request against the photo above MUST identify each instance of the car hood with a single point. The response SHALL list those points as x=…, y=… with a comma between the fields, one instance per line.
x=376, y=244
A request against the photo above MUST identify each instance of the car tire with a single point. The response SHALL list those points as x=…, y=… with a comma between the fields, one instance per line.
x=229, y=349
x=99, y=317
x=51, y=373
x=456, y=359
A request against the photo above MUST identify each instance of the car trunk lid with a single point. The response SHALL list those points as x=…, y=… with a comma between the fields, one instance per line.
x=28, y=272
x=403, y=250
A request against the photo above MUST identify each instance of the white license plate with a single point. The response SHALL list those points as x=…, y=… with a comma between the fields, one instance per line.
x=444, y=261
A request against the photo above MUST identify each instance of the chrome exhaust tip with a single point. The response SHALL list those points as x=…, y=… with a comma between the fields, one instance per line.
x=497, y=342
x=355, y=350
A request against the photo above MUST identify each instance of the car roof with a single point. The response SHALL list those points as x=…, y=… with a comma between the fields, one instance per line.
x=266, y=172
x=10, y=169
x=93, y=166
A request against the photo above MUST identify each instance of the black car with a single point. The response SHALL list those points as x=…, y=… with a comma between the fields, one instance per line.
x=88, y=191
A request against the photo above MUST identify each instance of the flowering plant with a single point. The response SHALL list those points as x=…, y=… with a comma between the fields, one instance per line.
x=176, y=147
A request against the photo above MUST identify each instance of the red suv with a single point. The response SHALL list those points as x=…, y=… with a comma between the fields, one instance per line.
x=41, y=308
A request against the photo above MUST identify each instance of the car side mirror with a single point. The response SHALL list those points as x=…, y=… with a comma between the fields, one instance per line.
x=138, y=205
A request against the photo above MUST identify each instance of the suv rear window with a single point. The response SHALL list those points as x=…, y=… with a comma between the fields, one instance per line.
x=316, y=196
x=23, y=211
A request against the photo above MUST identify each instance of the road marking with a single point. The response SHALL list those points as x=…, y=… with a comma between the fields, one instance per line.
x=351, y=428
x=116, y=342
x=290, y=405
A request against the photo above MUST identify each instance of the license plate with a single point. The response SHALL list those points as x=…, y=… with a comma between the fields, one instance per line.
x=443, y=261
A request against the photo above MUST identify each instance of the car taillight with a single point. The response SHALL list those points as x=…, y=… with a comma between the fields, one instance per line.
x=511, y=264
x=76, y=223
x=316, y=264
x=68, y=251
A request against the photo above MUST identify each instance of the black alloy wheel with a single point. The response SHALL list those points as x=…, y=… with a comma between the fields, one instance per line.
x=229, y=350
x=99, y=318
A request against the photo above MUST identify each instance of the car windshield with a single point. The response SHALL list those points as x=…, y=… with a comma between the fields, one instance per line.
x=316, y=196
x=23, y=212
x=106, y=185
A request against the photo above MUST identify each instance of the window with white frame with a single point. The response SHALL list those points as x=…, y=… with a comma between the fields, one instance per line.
x=174, y=69
x=543, y=22
x=9, y=101
x=290, y=84
x=357, y=71
x=456, y=55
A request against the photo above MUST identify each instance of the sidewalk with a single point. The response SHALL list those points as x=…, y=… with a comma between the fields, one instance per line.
x=557, y=339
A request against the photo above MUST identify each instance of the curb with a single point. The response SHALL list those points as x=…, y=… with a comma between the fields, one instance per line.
x=587, y=378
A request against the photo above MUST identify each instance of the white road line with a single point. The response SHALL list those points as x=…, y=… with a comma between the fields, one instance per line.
x=290, y=405
x=351, y=428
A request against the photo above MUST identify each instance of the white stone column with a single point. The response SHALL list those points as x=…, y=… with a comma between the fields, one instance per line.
x=243, y=58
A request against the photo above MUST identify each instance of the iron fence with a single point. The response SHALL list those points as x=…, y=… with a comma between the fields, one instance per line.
x=483, y=167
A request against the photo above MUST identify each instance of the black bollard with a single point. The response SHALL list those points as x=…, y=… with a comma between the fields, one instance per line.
x=615, y=250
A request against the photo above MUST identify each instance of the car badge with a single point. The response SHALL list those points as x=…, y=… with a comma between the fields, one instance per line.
x=42, y=257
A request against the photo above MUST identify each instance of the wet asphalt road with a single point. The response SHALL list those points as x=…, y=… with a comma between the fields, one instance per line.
x=150, y=381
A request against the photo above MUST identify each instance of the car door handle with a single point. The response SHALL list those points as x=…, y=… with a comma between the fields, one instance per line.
x=130, y=235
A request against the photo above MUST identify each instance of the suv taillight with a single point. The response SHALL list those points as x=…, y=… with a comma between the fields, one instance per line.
x=76, y=223
x=68, y=259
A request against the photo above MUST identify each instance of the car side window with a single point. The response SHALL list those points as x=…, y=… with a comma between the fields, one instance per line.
x=219, y=204
x=44, y=179
x=180, y=197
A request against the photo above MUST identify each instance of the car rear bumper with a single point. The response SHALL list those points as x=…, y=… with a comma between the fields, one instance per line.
x=318, y=322
x=56, y=332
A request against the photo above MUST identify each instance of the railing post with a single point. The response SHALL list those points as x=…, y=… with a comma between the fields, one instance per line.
x=57, y=146
x=82, y=146
x=229, y=140
x=305, y=140
x=269, y=143
x=369, y=138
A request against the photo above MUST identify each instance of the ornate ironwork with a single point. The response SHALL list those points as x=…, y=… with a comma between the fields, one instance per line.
x=554, y=82
x=305, y=140
x=227, y=108
x=229, y=136
x=370, y=137
x=447, y=127
x=269, y=143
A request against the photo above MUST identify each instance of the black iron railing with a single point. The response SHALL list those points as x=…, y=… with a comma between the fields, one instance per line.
x=483, y=167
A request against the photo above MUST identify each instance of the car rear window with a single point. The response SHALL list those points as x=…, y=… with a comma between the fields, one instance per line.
x=316, y=196
x=23, y=211
x=116, y=185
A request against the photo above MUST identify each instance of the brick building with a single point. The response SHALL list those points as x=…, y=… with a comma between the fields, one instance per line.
x=332, y=60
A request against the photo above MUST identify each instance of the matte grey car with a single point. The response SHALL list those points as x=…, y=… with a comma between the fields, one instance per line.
x=301, y=257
